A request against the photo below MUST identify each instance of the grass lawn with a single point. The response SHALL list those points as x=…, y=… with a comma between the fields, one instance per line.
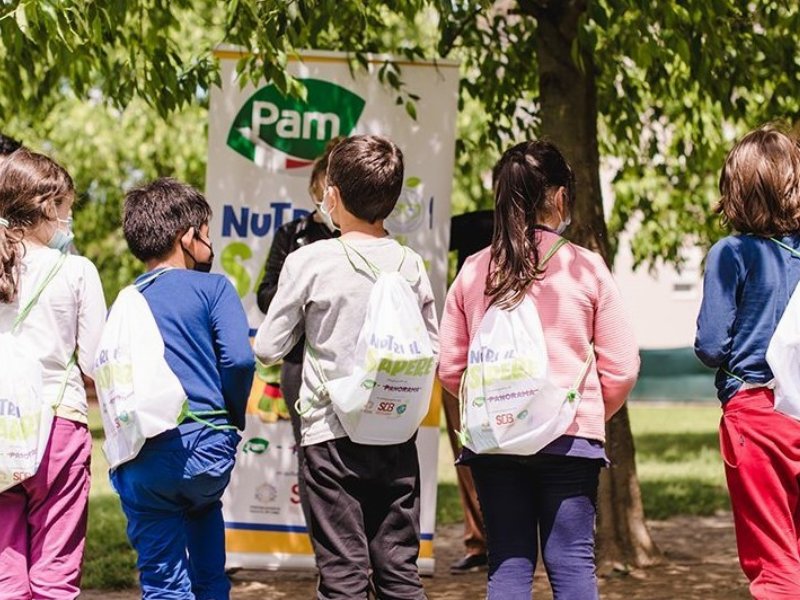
x=677, y=452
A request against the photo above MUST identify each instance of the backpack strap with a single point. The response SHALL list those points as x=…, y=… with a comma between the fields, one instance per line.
x=26, y=310
x=321, y=390
x=786, y=247
x=151, y=278
x=551, y=252
x=63, y=388
x=374, y=269
x=197, y=417
x=573, y=391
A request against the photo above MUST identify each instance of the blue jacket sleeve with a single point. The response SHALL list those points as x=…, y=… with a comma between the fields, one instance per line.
x=235, y=358
x=718, y=309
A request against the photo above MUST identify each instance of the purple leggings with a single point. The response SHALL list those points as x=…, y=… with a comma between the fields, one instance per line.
x=544, y=498
x=43, y=520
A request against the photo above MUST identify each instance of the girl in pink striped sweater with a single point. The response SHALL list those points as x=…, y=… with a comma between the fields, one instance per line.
x=550, y=495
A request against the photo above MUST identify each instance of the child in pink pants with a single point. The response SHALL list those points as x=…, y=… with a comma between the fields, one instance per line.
x=54, y=305
x=44, y=520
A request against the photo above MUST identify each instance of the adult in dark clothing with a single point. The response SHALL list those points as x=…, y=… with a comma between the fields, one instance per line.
x=469, y=233
x=288, y=238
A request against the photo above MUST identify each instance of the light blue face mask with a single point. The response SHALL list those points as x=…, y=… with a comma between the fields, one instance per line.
x=61, y=239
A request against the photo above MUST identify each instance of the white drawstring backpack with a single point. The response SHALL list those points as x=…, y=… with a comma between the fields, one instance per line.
x=386, y=397
x=26, y=420
x=509, y=405
x=783, y=354
x=140, y=397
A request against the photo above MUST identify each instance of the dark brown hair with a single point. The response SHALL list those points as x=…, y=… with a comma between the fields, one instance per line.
x=760, y=186
x=32, y=187
x=525, y=180
x=157, y=213
x=316, y=183
x=368, y=170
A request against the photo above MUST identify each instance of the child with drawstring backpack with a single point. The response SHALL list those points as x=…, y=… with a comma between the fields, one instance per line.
x=534, y=337
x=51, y=316
x=366, y=307
x=171, y=411
x=748, y=330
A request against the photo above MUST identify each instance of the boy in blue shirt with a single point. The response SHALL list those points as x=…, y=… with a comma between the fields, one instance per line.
x=171, y=491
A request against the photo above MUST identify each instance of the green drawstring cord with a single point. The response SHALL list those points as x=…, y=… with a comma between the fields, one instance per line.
x=198, y=417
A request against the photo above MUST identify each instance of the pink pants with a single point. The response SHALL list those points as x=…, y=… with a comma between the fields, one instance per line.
x=43, y=521
x=761, y=449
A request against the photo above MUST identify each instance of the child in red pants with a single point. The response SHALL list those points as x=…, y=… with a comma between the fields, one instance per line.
x=749, y=279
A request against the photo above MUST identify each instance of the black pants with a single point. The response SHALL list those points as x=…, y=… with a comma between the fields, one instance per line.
x=364, y=504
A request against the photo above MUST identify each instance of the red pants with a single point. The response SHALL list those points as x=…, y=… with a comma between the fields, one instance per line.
x=761, y=450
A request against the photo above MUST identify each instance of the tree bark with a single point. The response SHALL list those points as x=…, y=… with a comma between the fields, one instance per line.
x=568, y=97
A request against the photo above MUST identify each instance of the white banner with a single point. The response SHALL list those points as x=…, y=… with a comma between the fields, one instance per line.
x=261, y=148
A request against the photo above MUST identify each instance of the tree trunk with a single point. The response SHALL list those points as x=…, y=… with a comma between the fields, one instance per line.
x=568, y=99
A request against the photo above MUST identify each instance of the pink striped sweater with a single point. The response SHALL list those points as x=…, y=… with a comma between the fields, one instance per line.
x=579, y=304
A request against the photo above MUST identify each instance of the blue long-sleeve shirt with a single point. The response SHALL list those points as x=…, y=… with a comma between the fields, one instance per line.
x=747, y=285
x=206, y=339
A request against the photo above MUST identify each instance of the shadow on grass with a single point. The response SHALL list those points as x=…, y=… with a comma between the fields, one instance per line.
x=676, y=447
x=664, y=498
x=110, y=562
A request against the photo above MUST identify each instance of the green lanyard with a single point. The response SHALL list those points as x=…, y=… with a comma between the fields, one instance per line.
x=26, y=310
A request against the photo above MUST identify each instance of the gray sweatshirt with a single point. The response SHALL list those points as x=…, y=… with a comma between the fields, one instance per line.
x=320, y=293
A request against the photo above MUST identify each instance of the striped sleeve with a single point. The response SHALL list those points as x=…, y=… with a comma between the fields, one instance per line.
x=616, y=350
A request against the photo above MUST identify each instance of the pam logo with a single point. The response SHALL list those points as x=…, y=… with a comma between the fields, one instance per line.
x=288, y=132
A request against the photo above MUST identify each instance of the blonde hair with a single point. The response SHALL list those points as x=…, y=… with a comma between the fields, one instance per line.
x=760, y=184
x=32, y=187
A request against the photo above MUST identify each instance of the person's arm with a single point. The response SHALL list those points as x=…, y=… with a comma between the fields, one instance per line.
x=91, y=316
x=712, y=344
x=284, y=324
x=428, y=308
x=234, y=355
x=615, y=347
x=281, y=246
x=453, y=340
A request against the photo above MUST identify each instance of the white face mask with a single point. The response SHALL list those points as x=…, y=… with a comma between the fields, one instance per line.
x=326, y=213
x=562, y=225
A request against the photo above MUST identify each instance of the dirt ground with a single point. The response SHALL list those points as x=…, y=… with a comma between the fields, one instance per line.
x=700, y=564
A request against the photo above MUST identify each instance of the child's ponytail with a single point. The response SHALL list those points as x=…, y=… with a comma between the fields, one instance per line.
x=10, y=248
x=524, y=179
x=31, y=187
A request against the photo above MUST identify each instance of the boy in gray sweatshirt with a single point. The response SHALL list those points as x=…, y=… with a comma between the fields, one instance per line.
x=364, y=500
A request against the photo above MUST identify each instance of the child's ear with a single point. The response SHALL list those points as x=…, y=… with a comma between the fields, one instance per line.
x=186, y=238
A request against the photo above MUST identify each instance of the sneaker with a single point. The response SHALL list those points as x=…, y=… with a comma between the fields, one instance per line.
x=469, y=564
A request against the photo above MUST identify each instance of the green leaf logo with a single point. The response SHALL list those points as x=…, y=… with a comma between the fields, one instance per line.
x=296, y=128
x=368, y=384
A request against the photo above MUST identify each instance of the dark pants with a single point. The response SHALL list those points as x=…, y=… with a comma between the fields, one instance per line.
x=364, y=504
x=291, y=378
x=528, y=499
